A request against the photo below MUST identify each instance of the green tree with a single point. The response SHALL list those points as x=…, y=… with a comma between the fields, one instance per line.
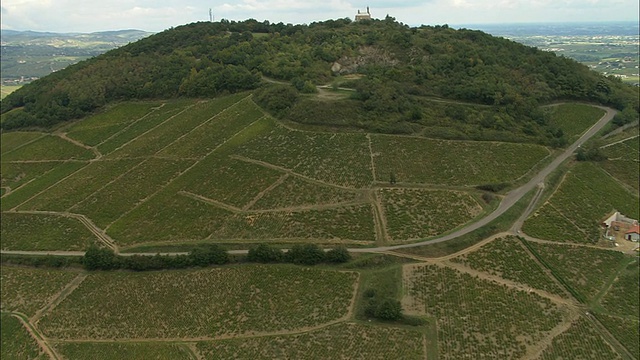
x=264, y=253
x=96, y=258
x=388, y=309
x=337, y=255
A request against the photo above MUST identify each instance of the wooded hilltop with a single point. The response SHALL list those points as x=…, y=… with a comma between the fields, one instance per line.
x=430, y=80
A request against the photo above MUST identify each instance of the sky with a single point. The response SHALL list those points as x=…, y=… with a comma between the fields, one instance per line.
x=157, y=15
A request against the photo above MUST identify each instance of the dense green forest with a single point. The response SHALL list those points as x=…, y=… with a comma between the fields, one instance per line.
x=432, y=80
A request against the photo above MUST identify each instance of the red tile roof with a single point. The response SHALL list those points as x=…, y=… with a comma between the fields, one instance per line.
x=635, y=229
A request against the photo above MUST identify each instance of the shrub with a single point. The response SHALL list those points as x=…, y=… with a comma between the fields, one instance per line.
x=100, y=259
x=210, y=254
x=263, y=253
x=338, y=255
x=307, y=254
x=388, y=309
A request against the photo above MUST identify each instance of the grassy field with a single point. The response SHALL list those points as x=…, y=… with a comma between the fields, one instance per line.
x=8, y=89
x=43, y=232
x=574, y=212
x=201, y=303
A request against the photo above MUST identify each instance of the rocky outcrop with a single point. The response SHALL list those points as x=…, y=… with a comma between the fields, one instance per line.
x=367, y=55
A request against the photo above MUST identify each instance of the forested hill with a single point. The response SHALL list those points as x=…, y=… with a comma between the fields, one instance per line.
x=400, y=73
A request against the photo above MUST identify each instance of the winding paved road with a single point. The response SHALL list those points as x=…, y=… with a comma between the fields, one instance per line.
x=507, y=202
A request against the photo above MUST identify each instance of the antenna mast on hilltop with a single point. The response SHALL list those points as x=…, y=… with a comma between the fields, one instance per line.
x=210, y=15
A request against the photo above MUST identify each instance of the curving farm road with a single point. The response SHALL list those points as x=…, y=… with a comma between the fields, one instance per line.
x=507, y=202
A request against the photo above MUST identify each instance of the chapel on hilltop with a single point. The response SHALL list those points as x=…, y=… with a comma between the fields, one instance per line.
x=363, y=15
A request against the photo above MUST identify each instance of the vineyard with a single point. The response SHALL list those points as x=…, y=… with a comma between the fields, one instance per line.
x=623, y=298
x=43, y=232
x=203, y=303
x=574, y=119
x=481, y=317
x=28, y=290
x=342, y=341
x=573, y=213
x=622, y=159
x=47, y=147
x=625, y=330
x=580, y=341
x=117, y=351
x=506, y=258
x=16, y=341
x=414, y=213
x=465, y=163
x=220, y=170
x=586, y=270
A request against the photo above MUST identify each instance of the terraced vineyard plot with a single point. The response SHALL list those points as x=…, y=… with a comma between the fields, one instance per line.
x=350, y=223
x=168, y=218
x=108, y=204
x=133, y=130
x=626, y=150
x=586, y=270
x=480, y=319
x=505, y=257
x=622, y=162
x=626, y=331
x=49, y=147
x=39, y=184
x=229, y=181
x=626, y=171
x=341, y=341
x=27, y=290
x=623, y=298
x=17, y=174
x=581, y=341
x=203, y=303
x=340, y=159
x=13, y=140
x=168, y=132
x=584, y=198
x=295, y=192
x=98, y=128
x=574, y=119
x=16, y=343
x=29, y=232
x=80, y=185
x=214, y=132
x=118, y=351
x=414, y=213
x=429, y=161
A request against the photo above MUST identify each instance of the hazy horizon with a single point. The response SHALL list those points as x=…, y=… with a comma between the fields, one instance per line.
x=65, y=16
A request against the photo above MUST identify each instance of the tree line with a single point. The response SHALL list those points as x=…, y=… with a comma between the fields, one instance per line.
x=400, y=67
